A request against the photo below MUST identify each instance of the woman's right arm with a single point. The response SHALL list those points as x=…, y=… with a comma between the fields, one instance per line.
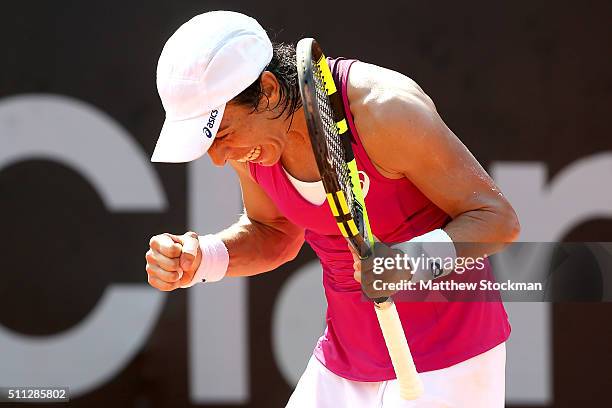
x=260, y=241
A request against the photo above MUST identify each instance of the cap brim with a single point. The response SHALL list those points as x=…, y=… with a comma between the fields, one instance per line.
x=186, y=140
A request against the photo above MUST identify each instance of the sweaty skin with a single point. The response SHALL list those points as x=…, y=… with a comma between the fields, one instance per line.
x=403, y=136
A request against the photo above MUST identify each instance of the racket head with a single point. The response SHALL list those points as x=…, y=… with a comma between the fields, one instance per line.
x=331, y=144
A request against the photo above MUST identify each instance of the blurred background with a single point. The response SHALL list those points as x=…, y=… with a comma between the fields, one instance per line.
x=527, y=86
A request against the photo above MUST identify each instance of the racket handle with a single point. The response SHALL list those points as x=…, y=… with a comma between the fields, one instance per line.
x=410, y=384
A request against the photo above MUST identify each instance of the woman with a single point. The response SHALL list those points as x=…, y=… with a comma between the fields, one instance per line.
x=230, y=93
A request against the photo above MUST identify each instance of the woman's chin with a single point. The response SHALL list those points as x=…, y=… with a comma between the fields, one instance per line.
x=267, y=163
x=267, y=159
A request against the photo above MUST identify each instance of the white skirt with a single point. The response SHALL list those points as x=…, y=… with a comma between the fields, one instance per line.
x=475, y=383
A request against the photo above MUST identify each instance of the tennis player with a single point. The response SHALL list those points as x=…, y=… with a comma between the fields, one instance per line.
x=229, y=92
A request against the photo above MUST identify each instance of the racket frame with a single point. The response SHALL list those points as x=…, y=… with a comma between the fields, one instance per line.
x=356, y=229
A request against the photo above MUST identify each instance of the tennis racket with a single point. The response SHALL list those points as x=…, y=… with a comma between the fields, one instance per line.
x=331, y=142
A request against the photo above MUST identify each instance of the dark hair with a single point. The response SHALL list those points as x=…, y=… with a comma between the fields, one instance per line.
x=283, y=66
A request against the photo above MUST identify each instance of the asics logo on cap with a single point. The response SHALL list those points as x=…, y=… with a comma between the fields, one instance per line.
x=211, y=123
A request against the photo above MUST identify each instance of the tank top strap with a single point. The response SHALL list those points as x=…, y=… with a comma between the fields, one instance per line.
x=340, y=68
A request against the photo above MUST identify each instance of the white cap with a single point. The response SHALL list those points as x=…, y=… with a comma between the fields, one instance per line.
x=207, y=62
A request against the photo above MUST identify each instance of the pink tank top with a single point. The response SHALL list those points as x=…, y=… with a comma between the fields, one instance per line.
x=440, y=334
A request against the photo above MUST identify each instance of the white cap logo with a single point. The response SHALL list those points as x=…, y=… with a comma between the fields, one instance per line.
x=211, y=123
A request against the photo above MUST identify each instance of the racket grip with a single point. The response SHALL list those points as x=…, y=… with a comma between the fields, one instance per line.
x=410, y=384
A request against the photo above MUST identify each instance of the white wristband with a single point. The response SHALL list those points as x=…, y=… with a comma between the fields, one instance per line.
x=436, y=244
x=215, y=260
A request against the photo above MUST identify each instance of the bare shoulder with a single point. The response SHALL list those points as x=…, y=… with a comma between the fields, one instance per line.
x=257, y=204
x=372, y=86
x=389, y=109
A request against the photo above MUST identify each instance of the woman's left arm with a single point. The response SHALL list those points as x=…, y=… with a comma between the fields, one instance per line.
x=403, y=134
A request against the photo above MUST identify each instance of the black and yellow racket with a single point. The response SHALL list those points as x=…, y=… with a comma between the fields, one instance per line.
x=331, y=142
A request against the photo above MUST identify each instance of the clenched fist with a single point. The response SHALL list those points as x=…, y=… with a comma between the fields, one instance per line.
x=172, y=260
